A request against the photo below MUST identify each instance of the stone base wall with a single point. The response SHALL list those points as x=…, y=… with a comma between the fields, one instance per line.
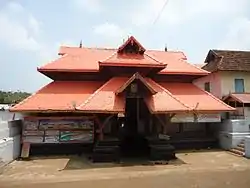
x=232, y=132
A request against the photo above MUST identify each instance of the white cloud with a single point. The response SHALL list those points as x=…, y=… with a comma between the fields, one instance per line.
x=238, y=35
x=21, y=31
x=92, y=6
x=109, y=30
x=34, y=25
x=16, y=33
x=110, y=35
x=178, y=11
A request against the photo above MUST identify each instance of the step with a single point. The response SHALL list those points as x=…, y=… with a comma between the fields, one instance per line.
x=241, y=145
x=240, y=148
x=238, y=152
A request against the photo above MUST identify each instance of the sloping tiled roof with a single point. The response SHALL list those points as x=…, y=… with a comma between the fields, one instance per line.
x=77, y=59
x=96, y=97
x=200, y=65
x=59, y=96
x=240, y=97
x=163, y=101
x=196, y=98
x=227, y=60
x=131, y=60
x=104, y=99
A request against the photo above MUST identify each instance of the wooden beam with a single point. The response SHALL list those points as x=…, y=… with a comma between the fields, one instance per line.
x=160, y=120
x=25, y=150
x=243, y=110
x=102, y=125
x=136, y=76
x=137, y=111
x=168, y=119
x=172, y=115
x=105, y=122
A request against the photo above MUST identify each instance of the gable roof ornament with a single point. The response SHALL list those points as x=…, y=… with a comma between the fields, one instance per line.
x=136, y=76
x=131, y=42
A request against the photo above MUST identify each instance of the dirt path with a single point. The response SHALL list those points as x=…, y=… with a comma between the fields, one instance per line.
x=203, y=169
x=229, y=179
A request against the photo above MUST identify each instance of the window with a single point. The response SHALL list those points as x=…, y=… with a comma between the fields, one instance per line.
x=207, y=86
x=239, y=85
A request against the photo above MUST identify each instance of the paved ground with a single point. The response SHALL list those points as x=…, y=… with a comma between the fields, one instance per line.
x=201, y=169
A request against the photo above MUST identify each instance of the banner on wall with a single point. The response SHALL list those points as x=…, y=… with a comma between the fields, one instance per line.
x=201, y=118
x=66, y=124
x=58, y=130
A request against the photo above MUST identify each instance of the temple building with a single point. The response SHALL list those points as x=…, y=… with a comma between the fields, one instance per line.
x=128, y=101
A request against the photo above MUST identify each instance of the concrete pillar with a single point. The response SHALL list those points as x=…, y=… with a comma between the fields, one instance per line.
x=247, y=147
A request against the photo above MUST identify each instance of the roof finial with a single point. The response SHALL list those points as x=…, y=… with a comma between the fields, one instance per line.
x=166, y=48
x=80, y=46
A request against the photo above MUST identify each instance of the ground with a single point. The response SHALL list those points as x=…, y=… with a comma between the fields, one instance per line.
x=192, y=169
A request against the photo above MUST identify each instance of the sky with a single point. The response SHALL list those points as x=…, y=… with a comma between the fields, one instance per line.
x=31, y=31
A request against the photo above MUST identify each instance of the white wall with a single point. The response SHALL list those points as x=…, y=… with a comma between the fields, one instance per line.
x=227, y=81
x=215, y=83
x=8, y=116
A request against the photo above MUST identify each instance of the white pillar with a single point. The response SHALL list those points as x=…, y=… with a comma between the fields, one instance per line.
x=247, y=147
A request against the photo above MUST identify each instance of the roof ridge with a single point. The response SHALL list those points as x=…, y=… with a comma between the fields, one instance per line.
x=107, y=48
x=171, y=51
x=108, y=57
x=196, y=67
x=170, y=94
x=29, y=97
x=93, y=95
x=100, y=48
x=161, y=62
x=231, y=50
x=61, y=57
x=220, y=101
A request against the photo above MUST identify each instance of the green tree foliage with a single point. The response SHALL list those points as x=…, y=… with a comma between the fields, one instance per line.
x=12, y=97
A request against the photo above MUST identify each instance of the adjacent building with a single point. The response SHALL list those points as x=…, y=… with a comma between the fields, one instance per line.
x=229, y=79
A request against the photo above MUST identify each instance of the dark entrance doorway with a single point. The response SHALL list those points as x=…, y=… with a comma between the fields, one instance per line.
x=133, y=141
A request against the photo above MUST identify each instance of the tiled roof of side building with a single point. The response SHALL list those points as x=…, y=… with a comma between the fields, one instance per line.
x=240, y=97
x=227, y=60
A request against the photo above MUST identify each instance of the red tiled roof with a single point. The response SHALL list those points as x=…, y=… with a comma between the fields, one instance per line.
x=176, y=63
x=96, y=97
x=104, y=99
x=86, y=60
x=240, y=97
x=199, y=65
x=131, y=60
x=195, y=98
x=59, y=96
x=163, y=101
x=78, y=60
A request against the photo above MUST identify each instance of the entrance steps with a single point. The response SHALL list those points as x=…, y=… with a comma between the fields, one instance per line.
x=106, y=151
x=161, y=150
x=239, y=150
